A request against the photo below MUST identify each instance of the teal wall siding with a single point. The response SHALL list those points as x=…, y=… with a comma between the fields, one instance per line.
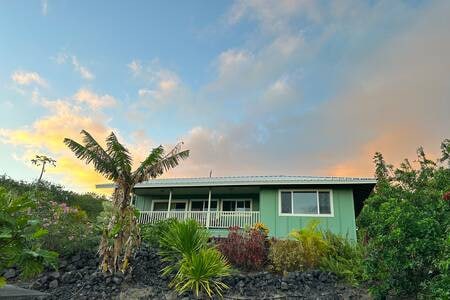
x=343, y=221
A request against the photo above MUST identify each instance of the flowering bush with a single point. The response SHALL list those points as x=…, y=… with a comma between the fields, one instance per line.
x=246, y=249
x=69, y=228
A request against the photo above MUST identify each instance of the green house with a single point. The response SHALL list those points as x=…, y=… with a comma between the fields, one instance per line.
x=283, y=203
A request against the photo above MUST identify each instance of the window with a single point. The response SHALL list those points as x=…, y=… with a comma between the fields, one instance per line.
x=202, y=205
x=174, y=205
x=306, y=202
x=236, y=205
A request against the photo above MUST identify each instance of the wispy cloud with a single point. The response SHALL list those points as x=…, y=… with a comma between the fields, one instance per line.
x=63, y=58
x=27, y=77
x=44, y=7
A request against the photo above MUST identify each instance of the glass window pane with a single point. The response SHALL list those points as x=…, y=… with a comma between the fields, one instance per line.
x=180, y=206
x=286, y=204
x=247, y=205
x=160, y=206
x=213, y=205
x=305, y=202
x=324, y=203
x=197, y=205
x=228, y=205
x=240, y=205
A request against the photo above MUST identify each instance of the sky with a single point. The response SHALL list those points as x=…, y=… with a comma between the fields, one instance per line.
x=273, y=87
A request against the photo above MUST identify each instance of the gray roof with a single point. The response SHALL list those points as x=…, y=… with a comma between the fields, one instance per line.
x=253, y=180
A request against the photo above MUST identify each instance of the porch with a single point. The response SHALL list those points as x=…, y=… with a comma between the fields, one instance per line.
x=212, y=219
x=214, y=208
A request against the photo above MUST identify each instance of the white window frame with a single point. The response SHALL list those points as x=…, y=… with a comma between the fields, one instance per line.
x=330, y=215
x=172, y=201
x=235, y=200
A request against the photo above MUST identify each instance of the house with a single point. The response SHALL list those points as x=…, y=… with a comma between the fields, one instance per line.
x=283, y=203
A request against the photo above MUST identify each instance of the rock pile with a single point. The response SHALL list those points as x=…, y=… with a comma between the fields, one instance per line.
x=78, y=277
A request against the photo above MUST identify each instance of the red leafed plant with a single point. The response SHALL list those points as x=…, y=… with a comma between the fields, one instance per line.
x=245, y=249
x=446, y=196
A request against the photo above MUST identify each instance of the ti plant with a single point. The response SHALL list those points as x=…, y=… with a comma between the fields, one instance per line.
x=121, y=235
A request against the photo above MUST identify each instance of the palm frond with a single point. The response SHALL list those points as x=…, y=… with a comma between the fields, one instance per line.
x=120, y=155
x=93, y=152
x=158, y=162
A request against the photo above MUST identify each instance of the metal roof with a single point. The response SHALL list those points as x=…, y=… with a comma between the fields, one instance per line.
x=253, y=180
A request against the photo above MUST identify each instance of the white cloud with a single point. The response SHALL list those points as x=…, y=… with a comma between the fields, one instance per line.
x=93, y=100
x=26, y=78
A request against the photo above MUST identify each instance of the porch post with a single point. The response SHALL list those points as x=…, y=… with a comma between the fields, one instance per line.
x=170, y=202
x=208, y=216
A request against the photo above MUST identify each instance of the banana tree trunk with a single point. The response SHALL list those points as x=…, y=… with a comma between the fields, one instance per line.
x=121, y=236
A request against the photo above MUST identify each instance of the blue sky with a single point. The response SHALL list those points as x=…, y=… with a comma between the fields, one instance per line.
x=251, y=87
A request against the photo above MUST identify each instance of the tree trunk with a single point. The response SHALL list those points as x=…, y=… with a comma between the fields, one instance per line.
x=42, y=172
x=121, y=236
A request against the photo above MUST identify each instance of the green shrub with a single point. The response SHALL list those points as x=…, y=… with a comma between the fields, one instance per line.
x=202, y=273
x=20, y=237
x=182, y=239
x=313, y=244
x=286, y=256
x=70, y=230
x=439, y=286
x=406, y=222
x=344, y=258
x=152, y=233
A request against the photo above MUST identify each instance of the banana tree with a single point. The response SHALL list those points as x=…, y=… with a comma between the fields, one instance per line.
x=121, y=235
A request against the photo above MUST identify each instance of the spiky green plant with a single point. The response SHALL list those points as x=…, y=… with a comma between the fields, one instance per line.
x=202, y=273
x=182, y=239
x=121, y=236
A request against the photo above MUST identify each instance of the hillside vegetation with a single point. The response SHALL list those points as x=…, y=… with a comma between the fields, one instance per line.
x=91, y=203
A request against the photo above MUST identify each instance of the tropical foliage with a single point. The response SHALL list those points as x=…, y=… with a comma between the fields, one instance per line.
x=20, y=237
x=121, y=236
x=42, y=161
x=194, y=264
x=151, y=234
x=69, y=229
x=182, y=239
x=45, y=191
x=202, y=273
x=406, y=224
x=313, y=244
x=245, y=249
x=344, y=258
x=285, y=256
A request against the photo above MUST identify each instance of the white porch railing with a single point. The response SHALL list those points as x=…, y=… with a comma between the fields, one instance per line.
x=218, y=219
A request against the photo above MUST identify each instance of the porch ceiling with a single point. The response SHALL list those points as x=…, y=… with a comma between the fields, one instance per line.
x=197, y=190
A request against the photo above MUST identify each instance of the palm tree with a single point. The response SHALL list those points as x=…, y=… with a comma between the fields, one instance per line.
x=121, y=236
